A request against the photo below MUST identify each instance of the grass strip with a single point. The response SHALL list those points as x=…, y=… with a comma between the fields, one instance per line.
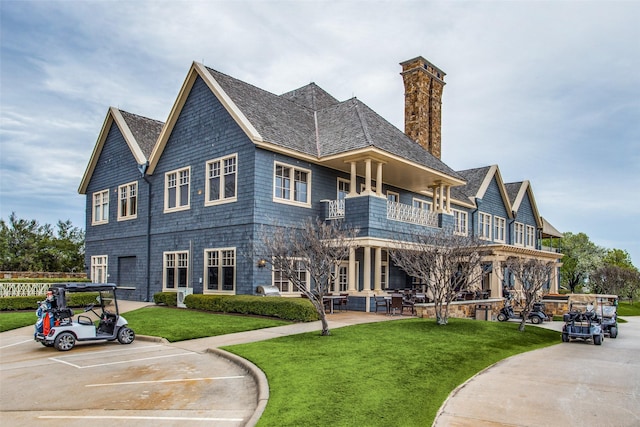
x=179, y=324
x=380, y=374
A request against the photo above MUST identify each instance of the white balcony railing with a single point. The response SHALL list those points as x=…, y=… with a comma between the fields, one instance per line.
x=407, y=213
x=336, y=209
x=12, y=289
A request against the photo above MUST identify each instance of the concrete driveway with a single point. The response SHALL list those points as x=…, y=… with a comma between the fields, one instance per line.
x=146, y=383
x=569, y=384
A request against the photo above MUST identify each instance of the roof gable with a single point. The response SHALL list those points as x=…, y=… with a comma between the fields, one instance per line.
x=521, y=191
x=479, y=180
x=138, y=132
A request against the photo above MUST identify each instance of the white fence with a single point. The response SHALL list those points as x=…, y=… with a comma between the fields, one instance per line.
x=14, y=289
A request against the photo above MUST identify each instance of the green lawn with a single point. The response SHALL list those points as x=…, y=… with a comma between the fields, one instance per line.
x=626, y=309
x=16, y=319
x=380, y=374
x=177, y=324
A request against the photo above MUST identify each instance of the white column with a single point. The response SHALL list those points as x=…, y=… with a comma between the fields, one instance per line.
x=354, y=180
x=353, y=286
x=441, y=198
x=379, y=180
x=366, y=277
x=448, y=198
x=377, y=270
x=367, y=177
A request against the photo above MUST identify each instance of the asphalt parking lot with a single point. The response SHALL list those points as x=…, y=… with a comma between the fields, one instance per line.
x=148, y=383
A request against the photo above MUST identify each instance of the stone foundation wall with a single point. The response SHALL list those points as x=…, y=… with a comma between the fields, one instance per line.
x=464, y=309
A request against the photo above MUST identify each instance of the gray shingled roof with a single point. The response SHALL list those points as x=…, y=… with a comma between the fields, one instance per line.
x=474, y=178
x=144, y=130
x=512, y=189
x=288, y=120
x=311, y=96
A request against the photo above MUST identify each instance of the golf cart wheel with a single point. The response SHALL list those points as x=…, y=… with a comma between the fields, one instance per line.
x=613, y=332
x=65, y=341
x=502, y=317
x=536, y=320
x=565, y=337
x=126, y=335
x=597, y=339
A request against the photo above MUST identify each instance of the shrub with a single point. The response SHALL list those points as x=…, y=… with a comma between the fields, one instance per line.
x=166, y=298
x=294, y=309
x=31, y=302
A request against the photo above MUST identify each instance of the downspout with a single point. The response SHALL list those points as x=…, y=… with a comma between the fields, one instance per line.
x=143, y=170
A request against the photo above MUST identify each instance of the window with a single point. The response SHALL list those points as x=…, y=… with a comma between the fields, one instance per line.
x=128, y=201
x=460, y=222
x=422, y=204
x=221, y=184
x=99, y=269
x=392, y=196
x=518, y=234
x=484, y=226
x=100, y=207
x=531, y=237
x=176, y=195
x=285, y=286
x=176, y=269
x=220, y=270
x=343, y=188
x=292, y=184
x=499, y=226
x=342, y=278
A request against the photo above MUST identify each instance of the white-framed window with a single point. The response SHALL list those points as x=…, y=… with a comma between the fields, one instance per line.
x=484, y=226
x=344, y=187
x=176, y=190
x=530, y=241
x=220, y=270
x=422, y=204
x=128, y=201
x=176, y=269
x=499, y=229
x=287, y=287
x=518, y=231
x=100, y=207
x=292, y=185
x=392, y=196
x=221, y=181
x=342, y=278
x=384, y=270
x=99, y=268
x=460, y=221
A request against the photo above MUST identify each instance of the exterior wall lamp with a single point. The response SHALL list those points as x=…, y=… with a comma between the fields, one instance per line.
x=262, y=263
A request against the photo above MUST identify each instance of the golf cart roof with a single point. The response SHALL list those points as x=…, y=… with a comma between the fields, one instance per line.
x=85, y=287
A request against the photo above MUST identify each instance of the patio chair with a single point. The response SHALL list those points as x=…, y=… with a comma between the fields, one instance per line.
x=396, y=303
x=381, y=302
x=343, y=302
x=408, y=303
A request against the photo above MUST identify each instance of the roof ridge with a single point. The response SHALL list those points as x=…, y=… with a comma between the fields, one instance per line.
x=363, y=123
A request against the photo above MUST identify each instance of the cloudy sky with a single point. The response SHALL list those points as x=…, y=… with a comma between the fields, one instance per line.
x=549, y=91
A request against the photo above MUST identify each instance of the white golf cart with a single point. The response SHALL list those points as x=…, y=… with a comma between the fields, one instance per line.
x=57, y=327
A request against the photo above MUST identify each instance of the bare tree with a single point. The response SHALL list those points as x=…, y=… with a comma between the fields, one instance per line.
x=446, y=262
x=315, y=249
x=533, y=275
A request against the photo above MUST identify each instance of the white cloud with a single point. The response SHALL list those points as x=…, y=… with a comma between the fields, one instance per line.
x=548, y=90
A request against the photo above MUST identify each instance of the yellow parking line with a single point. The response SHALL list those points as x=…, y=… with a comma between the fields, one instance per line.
x=167, y=381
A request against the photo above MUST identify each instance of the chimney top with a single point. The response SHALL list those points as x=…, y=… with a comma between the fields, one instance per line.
x=419, y=62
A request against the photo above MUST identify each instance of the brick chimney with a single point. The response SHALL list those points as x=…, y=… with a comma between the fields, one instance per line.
x=423, y=84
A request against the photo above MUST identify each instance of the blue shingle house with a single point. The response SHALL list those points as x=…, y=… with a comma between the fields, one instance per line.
x=179, y=204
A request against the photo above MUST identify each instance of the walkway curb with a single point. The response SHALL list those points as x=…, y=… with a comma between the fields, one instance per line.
x=258, y=376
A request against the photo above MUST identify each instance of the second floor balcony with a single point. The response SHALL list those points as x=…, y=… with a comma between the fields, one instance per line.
x=354, y=209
